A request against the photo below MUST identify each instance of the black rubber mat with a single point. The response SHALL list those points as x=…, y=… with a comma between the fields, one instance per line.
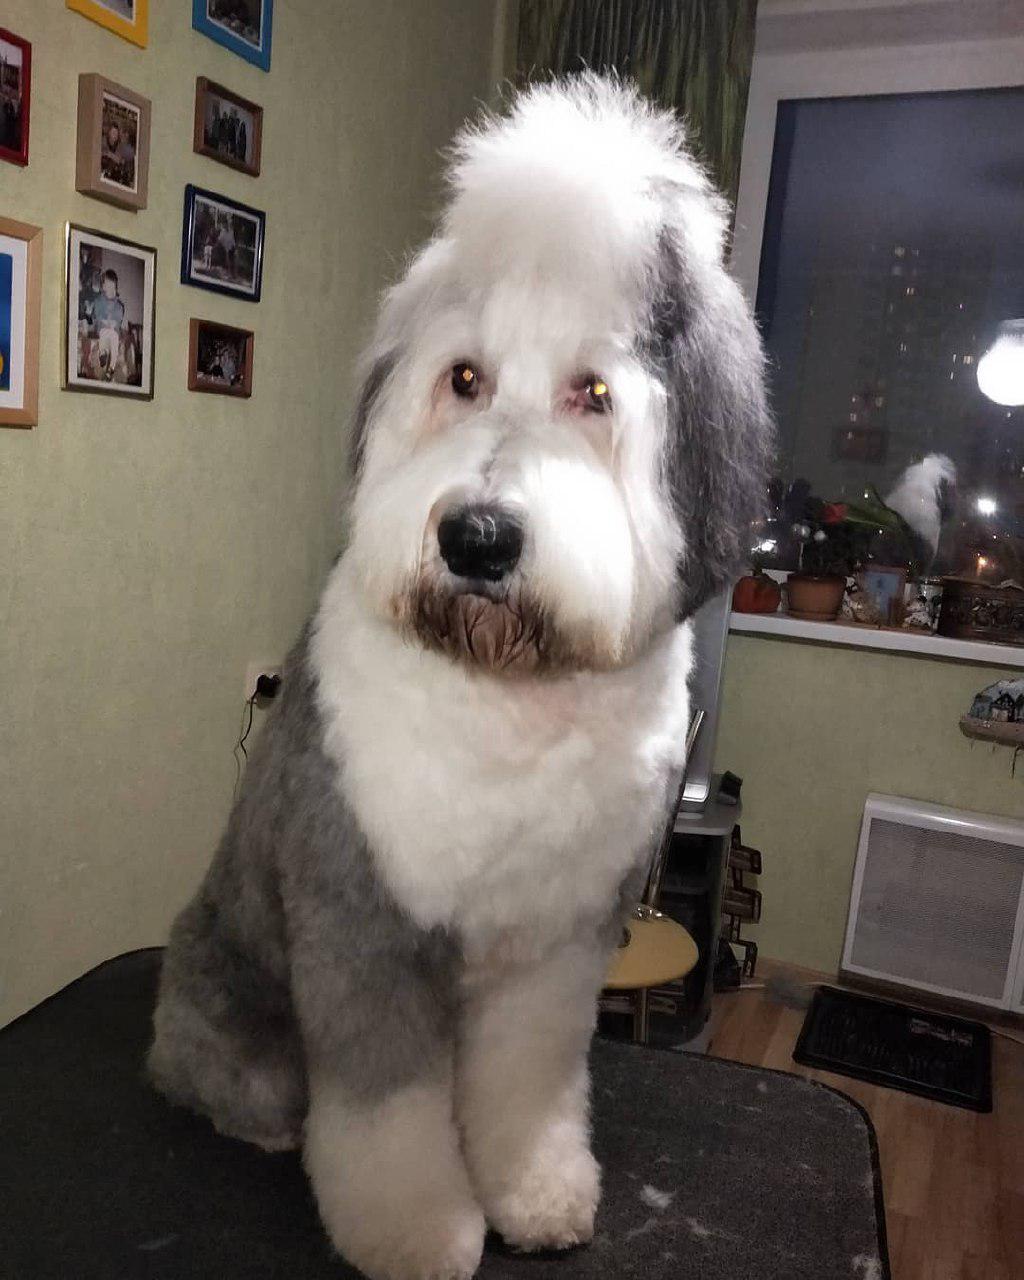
x=712, y=1170
x=886, y=1043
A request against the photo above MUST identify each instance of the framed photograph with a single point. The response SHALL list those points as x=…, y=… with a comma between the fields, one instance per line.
x=882, y=588
x=222, y=245
x=21, y=275
x=219, y=358
x=127, y=18
x=227, y=128
x=113, y=143
x=15, y=96
x=109, y=314
x=243, y=26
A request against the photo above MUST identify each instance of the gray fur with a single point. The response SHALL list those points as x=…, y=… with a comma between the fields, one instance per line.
x=369, y=394
x=293, y=955
x=704, y=346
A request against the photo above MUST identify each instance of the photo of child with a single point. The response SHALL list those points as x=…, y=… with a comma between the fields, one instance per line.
x=111, y=325
x=220, y=359
x=119, y=145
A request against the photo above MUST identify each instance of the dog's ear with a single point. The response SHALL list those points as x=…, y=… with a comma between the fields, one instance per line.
x=369, y=395
x=706, y=349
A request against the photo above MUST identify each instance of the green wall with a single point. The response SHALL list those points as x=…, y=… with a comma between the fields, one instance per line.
x=811, y=729
x=151, y=551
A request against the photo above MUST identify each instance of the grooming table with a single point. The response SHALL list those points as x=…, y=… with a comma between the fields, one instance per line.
x=712, y=1170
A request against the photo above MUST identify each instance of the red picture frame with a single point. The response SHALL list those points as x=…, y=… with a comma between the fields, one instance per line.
x=8, y=89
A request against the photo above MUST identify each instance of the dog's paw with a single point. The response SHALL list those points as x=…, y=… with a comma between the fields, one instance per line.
x=418, y=1245
x=552, y=1206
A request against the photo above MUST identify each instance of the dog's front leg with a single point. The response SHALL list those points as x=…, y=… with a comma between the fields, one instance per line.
x=522, y=1097
x=381, y=1146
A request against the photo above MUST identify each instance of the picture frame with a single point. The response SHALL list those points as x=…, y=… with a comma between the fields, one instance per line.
x=15, y=97
x=128, y=19
x=220, y=358
x=113, y=143
x=109, y=314
x=222, y=245
x=21, y=283
x=882, y=587
x=227, y=128
x=245, y=27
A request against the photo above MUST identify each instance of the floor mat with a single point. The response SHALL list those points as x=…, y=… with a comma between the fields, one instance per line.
x=712, y=1170
x=886, y=1043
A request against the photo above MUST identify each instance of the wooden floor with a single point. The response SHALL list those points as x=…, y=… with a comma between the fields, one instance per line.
x=953, y=1180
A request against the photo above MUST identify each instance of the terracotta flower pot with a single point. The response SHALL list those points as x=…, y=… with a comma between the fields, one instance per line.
x=814, y=597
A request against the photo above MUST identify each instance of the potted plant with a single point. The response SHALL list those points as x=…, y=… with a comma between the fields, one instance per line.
x=836, y=539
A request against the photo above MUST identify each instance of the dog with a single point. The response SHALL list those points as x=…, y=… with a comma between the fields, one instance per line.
x=562, y=438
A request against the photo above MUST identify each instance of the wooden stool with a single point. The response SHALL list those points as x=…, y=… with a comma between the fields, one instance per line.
x=654, y=950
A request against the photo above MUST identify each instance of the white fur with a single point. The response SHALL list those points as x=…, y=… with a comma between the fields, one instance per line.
x=916, y=496
x=391, y=1184
x=521, y=1097
x=496, y=806
x=509, y=809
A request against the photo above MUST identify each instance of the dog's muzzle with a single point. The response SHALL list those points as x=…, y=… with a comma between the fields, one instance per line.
x=481, y=543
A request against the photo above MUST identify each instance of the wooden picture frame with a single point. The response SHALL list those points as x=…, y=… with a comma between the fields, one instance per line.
x=21, y=285
x=115, y=172
x=220, y=379
x=218, y=19
x=128, y=19
x=222, y=245
x=240, y=145
x=15, y=97
x=109, y=331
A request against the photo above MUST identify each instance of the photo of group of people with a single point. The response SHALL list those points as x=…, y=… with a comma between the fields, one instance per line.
x=12, y=97
x=226, y=245
x=111, y=316
x=220, y=359
x=119, y=147
x=229, y=130
x=243, y=18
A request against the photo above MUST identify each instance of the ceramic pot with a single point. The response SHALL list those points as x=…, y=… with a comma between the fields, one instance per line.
x=756, y=593
x=814, y=597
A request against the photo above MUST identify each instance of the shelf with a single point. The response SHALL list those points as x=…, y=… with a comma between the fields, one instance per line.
x=852, y=635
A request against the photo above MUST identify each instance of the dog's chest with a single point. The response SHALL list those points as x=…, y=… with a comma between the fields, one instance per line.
x=502, y=808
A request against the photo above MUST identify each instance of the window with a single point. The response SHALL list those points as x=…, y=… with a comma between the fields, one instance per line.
x=892, y=262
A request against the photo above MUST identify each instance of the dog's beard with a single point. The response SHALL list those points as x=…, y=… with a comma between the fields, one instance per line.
x=507, y=633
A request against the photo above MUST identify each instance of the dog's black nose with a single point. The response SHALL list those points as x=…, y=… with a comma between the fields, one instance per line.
x=480, y=542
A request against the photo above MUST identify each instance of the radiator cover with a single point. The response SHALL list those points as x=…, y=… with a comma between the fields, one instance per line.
x=938, y=902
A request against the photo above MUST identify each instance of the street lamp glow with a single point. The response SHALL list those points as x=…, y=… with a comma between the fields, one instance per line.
x=1001, y=368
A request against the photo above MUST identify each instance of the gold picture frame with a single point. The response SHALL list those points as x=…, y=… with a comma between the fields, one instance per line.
x=128, y=19
x=21, y=284
x=113, y=143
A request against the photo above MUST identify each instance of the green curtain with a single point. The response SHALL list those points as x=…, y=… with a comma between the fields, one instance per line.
x=693, y=55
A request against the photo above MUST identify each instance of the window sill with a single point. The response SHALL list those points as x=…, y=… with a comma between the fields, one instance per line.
x=853, y=635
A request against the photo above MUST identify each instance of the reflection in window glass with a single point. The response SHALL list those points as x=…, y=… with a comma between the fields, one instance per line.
x=893, y=264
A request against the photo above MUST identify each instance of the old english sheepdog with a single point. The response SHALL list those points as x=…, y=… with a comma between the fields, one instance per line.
x=562, y=438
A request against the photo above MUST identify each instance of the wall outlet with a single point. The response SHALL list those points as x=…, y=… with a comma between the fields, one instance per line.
x=254, y=670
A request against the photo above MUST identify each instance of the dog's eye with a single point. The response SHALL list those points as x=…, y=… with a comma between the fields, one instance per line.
x=598, y=397
x=465, y=380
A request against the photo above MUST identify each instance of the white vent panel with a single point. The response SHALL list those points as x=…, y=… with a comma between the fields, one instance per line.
x=938, y=901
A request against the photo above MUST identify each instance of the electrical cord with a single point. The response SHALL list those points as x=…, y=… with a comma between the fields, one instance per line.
x=250, y=706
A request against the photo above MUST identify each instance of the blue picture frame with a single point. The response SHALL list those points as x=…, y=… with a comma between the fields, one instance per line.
x=220, y=29
x=222, y=245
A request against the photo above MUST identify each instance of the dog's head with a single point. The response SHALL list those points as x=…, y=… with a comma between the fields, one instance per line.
x=562, y=437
